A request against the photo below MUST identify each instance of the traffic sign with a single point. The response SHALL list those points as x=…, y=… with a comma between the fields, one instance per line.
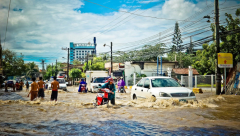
x=225, y=60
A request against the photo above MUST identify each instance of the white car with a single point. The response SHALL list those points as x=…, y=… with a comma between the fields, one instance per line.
x=161, y=88
x=96, y=82
x=62, y=84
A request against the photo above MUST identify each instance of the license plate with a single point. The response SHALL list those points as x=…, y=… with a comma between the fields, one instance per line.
x=184, y=100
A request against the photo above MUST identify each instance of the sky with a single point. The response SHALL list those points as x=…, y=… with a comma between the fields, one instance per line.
x=40, y=28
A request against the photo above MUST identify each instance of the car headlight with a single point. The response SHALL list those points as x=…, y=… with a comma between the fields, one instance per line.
x=192, y=94
x=164, y=95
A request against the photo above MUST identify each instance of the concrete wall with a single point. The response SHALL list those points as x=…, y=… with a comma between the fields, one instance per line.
x=131, y=68
x=149, y=68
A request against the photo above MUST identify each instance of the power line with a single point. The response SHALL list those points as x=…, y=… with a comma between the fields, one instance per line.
x=7, y=22
x=133, y=13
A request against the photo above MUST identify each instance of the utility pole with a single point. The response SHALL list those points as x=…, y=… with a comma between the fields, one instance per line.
x=1, y=68
x=56, y=69
x=190, y=48
x=111, y=59
x=52, y=69
x=217, y=70
x=87, y=63
x=67, y=62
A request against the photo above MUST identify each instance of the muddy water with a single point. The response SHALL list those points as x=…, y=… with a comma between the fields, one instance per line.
x=74, y=114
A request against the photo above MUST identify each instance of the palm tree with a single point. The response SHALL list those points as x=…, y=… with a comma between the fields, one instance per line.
x=31, y=70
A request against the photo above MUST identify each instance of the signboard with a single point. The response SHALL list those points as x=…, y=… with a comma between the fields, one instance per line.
x=121, y=65
x=64, y=69
x=225, y=60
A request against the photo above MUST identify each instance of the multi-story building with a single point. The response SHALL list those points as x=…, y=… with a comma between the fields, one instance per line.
x=79, y=51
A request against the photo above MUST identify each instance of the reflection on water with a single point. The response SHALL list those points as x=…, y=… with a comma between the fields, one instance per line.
x=110, y=127
x=74, y=114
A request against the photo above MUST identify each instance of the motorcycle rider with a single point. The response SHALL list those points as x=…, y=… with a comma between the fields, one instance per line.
x=121, y=84
x=110, y=85
x=82, y=82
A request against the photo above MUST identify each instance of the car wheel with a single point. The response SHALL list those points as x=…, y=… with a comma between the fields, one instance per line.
x=91, y=90
x=134, y=97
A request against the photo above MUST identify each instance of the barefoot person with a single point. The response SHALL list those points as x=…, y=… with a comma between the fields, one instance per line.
x=34, y=89
x=41, y=85
x=54, y=86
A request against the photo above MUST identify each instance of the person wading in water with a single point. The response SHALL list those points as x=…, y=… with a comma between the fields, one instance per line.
x=54, y=86
x=41, y=85
x=34, y=89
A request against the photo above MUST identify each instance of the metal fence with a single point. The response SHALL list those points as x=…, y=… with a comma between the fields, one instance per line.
x=199, y=81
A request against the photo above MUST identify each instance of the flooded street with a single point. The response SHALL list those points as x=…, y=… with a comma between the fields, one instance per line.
x=74, y=114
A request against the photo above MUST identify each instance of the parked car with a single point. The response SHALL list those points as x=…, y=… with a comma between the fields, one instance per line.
x=161, y=88
x=10, y=83
x=62, y=84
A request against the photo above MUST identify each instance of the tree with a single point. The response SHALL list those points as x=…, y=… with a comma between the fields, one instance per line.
x=187, y=59
x=12, y=64
x=177, y=41
x=230, y=43
x=75, y=73
x=50, y=71
x=205, y=60
x=31, y=70
x=96, y=64
x=76, y=62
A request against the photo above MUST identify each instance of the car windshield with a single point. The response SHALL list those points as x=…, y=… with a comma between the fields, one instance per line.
x=10, y=82
x=61, y=81
x=100, y=80
x=164, y=82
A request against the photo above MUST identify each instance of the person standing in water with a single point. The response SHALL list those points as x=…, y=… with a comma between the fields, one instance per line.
x=34, y=89
x=54, y=86
x=27, y=86
x=21, y=85
x=41, y=85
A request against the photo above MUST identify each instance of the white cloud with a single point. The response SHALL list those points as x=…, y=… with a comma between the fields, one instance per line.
x=54, y=24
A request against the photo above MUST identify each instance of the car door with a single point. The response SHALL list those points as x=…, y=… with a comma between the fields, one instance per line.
x=146, y=88
x=139, y=88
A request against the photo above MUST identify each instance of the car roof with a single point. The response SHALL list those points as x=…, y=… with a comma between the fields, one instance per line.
x=157, y=77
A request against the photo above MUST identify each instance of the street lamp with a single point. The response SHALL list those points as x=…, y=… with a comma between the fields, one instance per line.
x=207, y=16
x=111, y=53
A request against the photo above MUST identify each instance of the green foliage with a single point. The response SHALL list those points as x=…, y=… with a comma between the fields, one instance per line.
x=97, y=64
x=177, y=41
x=139, y=75
x=52, y=71
x=147, y=53
x=75, y=73
x=184, y=60
x=13, y=65
x=31, y=70
x=205, y=63
x=76, y=62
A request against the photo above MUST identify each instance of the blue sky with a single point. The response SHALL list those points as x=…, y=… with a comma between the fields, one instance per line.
x=40, y=28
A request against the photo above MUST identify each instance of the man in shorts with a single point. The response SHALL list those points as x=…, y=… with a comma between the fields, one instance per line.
x=34, y=89
x=27, y=86
x=41, y=85
x=54, y=86
x=21, y=85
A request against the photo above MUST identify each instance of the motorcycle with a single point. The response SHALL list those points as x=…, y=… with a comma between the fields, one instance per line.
x=102, y=99
x=122, y=90
x=83, y=88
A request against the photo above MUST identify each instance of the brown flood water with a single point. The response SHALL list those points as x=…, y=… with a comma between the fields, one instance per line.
x=74, y=114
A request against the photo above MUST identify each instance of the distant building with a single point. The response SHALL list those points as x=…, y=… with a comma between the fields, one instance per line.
x=79, y=51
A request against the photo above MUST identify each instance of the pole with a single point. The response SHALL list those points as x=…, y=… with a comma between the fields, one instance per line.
x=111, y=59
x=225, y=80
x=161, y=65
x=87, y=62
x=217, y=71
x=157, y=65
x=190, y=49
x=52, y=69
x=68, y=66
x=56, y=69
